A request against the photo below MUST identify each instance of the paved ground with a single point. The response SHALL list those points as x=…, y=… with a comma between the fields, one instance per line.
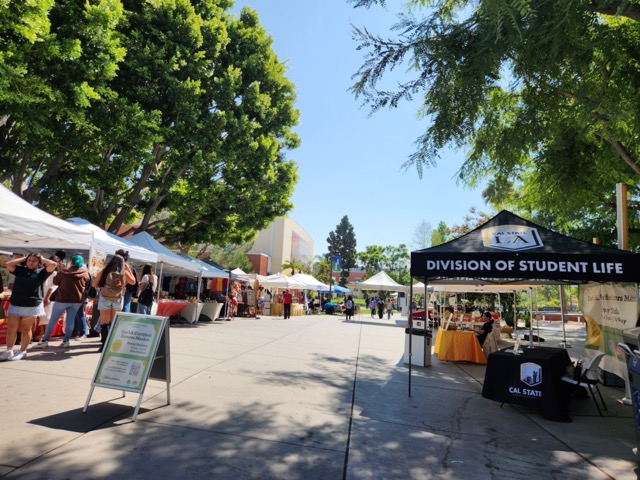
x=308, y=398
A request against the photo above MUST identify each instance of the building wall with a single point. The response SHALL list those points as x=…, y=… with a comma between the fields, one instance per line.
x=259, y=262
x=282, y=241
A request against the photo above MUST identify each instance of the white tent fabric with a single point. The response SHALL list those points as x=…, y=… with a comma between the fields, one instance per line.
x=310, y=282
x=25, y=227
x=278, y=280
x=109, y=243
x=239, y=275
x=170, y=263
x=207, y=271
x=380, y=281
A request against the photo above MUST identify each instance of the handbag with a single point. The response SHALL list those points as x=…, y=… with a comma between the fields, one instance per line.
x=146, y=296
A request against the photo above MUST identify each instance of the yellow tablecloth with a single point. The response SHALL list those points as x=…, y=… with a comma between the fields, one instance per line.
x=297, y=309
x=458, y=346
x=277, y=309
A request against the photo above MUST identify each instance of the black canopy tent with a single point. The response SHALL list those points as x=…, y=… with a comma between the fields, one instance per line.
x=509, y=250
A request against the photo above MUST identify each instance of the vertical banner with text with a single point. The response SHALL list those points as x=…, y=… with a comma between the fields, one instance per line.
x=609, y=308
x=336, y=263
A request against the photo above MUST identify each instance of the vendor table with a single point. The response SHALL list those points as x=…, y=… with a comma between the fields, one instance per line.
x=170, y=309
x=458, y=346
x=211, y=310
x=297, y=309
x=191, y=313
x=277, y=309
x=532, y=378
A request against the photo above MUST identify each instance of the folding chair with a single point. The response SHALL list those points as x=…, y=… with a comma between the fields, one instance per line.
x=589, y=378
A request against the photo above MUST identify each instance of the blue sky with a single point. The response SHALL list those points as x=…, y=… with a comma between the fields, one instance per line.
x=350, y=163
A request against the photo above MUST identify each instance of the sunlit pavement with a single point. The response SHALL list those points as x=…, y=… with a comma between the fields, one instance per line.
x=311, y=397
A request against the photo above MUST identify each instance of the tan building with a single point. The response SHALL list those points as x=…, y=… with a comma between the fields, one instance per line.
x=282, y=241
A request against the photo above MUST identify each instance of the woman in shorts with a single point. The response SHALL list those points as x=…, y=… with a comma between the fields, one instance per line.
x=27, y=297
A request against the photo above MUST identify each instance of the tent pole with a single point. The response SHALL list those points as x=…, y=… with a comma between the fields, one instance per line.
x=515, y=316
x=530, y=318
x=410, y=323
x=563, y=300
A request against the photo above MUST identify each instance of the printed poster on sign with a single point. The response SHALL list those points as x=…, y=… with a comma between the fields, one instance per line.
x=609, y=308
x=129, y=352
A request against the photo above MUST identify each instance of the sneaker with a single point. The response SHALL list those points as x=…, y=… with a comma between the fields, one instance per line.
x=7, y=355
x=41, y=344
x=19, y=356
x=64, y=345
x=93, y=334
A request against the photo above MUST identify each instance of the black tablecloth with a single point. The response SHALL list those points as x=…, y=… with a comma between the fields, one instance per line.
x=532, y=378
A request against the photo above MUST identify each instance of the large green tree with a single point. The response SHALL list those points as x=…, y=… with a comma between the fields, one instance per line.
x=544, y=97
x=187, y=133
x=342, y=242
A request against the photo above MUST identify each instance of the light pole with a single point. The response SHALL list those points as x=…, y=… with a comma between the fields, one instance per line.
x=335, y=266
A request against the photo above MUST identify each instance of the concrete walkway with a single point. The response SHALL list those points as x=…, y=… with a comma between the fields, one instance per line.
x=308, y=398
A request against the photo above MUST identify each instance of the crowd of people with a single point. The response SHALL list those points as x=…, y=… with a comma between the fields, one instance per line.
x=45, y=289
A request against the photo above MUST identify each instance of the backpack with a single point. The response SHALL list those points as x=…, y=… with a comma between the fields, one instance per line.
x=113, y=286
x=349, y=304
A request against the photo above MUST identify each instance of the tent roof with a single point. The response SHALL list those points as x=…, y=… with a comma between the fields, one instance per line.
x=173, y=264
x=510, y=249
x=26, y=227
x=207, y=270
x=278, y=280
x=110, y=243
x=380, y=281
x=311, y=282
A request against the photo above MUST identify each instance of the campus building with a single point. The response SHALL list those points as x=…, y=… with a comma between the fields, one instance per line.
x=282, y=241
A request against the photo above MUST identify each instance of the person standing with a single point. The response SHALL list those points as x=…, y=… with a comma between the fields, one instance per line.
x=380, y=307
x=372, y=306
x=148, y=281
x=349, y=307
x=389, y=308
x=111, y=281
x=286, y=300
x=72, y=282
x=48, y=288
x=131, y=290
x=26, y=303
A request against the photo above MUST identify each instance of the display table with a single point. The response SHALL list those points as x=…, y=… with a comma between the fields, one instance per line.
x=297, y=309
x=211, y=311
x=168, y=308
x=191, y=313
x=458, y=346
x=277, y=309
x=532, y=378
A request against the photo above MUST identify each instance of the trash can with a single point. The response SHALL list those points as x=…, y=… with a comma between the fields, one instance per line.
x=420, y=339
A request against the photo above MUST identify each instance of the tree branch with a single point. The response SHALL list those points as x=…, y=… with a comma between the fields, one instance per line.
x=629, y=10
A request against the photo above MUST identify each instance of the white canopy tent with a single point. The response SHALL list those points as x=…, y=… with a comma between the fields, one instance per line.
x=310, y=282
x=239, y=275
x=279, y=280
x=170, y=263
x=380, y=281
x=109, y=243
x=25, y=227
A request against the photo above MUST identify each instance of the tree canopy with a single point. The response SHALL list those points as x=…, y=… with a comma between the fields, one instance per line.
x=173, y=113
x=543, y=97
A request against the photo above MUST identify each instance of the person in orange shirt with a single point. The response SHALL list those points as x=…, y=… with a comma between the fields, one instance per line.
x=287, y=299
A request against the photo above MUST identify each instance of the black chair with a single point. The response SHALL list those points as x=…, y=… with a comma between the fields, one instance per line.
x=589, y=378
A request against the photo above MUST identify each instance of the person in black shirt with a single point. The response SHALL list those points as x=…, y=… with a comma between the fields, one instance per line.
x=487, y=327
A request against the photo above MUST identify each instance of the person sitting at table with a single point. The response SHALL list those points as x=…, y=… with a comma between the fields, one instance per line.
x=486, y=328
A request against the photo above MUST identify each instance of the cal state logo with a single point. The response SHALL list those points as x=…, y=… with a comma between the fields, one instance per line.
x=531, y=374
x=511, y=237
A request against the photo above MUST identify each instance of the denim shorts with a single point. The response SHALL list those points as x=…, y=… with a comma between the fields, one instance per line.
x=108, y=304
x=36, y=311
